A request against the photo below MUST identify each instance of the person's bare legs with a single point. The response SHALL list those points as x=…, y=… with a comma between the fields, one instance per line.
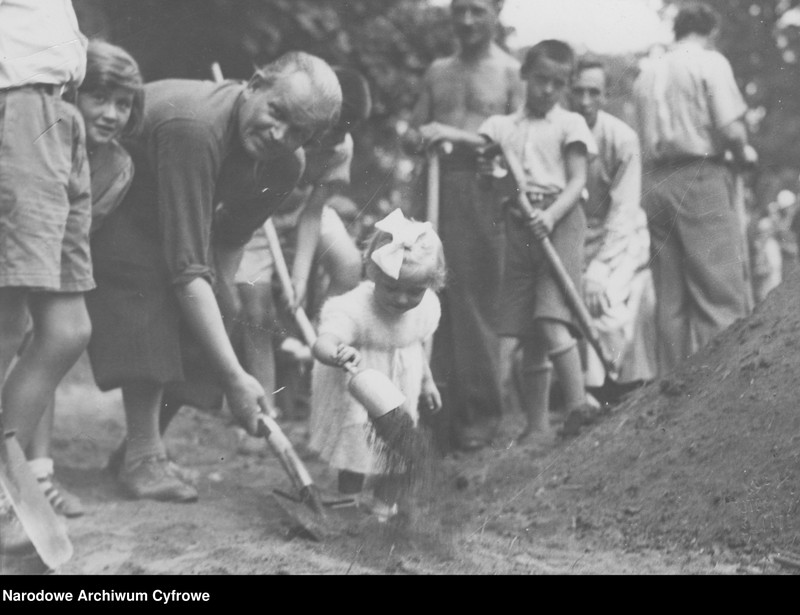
x=13, y=324
x=42, y=466
x=61, y=330
x=39, y=447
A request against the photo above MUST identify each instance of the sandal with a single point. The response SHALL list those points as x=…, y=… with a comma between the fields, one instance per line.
x=62, y=501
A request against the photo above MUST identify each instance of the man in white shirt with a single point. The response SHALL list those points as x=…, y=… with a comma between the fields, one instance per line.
x=617, y=280
x=690, y=112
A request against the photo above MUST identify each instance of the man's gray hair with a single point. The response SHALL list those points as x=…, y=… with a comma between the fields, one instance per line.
x=328, y=91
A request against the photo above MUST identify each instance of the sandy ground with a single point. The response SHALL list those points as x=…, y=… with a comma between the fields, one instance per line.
x=694, y=474
x=236, y=527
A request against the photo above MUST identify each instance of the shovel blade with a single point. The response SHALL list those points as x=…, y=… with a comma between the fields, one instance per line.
x=303, y=520
x=45, y=530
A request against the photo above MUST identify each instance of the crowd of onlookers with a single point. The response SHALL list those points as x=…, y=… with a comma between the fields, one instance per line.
x=136, y=221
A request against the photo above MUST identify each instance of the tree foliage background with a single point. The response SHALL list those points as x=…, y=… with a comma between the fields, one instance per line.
x=392, y=42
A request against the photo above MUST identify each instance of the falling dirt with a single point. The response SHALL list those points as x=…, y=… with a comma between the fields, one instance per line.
x=696, y=473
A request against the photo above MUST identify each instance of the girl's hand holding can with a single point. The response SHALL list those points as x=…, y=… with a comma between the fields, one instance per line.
x=347, y=354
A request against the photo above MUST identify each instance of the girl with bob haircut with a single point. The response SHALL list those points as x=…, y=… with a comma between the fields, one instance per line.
x=111, y=101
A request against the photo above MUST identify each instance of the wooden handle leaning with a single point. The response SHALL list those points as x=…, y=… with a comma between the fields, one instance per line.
x=300, y=316
x=434, y=170
x=573, y=297
x=285, y=452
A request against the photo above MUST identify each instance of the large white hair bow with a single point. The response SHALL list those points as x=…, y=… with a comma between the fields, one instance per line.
x=404, y=234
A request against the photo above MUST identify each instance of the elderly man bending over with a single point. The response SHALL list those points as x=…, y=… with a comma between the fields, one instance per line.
x=159, y=332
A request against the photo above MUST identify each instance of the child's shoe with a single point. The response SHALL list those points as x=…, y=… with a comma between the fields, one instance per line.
x=577, y=418
x=383, y=511
x=62, y=501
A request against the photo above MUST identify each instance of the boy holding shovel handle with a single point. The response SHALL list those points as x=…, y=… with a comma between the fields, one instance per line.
x=553, y=146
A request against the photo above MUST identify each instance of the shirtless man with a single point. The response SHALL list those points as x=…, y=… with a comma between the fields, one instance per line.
x=458, y=93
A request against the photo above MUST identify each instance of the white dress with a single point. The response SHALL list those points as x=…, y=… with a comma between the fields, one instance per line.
x=340, y=429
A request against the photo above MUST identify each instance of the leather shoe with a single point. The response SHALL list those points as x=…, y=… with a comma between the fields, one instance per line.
x=117, y=459
x=151, y=478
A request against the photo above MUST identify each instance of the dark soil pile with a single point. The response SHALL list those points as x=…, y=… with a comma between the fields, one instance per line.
x=706, y=458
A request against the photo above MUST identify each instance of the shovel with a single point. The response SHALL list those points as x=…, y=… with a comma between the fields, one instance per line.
x=45, y=530
x=433, y=187
x=372, y=389
x=562, y=276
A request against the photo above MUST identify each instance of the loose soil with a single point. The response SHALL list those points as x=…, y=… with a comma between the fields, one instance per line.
x=696, y=473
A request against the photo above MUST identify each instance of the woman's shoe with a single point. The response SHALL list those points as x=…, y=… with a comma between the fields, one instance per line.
x=151, y=478
x=117, y=458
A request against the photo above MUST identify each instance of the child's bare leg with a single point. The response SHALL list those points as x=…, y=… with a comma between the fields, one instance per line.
x=536, y=372
x=145, y=472
x=39, y=448
x=13, y=323
x=61, y=330
x=41, y=464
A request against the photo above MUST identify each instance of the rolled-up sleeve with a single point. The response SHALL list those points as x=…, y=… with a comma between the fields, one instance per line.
x=186, y=165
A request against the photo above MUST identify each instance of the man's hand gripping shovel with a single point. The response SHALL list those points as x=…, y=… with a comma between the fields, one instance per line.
x=373, y=390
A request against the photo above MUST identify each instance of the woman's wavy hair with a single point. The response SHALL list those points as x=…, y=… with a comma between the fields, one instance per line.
x=109, y=67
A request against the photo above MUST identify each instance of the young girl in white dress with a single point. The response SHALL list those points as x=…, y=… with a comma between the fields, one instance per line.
x=385, y=323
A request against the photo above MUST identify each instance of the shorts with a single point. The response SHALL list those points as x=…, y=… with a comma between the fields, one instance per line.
x=530, y=291
x=257, y=263
x=45, y=193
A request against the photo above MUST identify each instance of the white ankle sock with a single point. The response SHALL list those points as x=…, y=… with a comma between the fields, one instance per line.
x=42, y=467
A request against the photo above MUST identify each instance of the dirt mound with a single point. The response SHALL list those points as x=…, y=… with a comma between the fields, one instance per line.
x=706, y=458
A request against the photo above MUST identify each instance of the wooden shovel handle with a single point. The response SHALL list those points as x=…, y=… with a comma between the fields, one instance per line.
x=434, y=171
x=300, y=316
x=571, y=293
